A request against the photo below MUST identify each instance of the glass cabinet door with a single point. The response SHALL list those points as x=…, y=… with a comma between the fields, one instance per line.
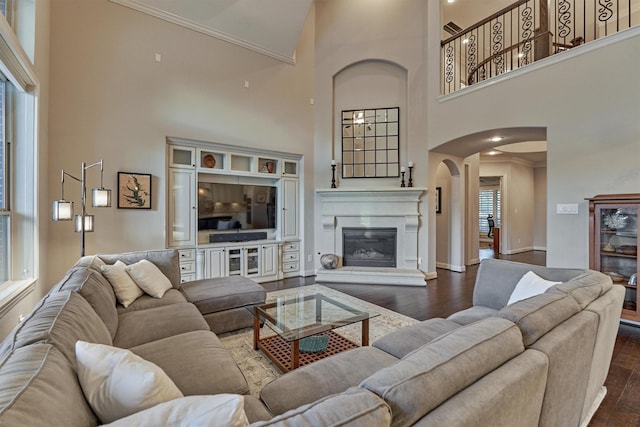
x=253, y=261
x=617, y=248
x=234, y=262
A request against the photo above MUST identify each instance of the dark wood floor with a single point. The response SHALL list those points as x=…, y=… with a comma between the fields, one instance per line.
x=452, y=292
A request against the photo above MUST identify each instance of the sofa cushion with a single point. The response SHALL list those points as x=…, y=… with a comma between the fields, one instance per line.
x=255, y=409
x=585, y=288
x=509, y=396
x=38, y=387
x=538, y=315
x=192, y=411
x=149, y=278
x=167, y=260
x=472, y=314
x=496, y=280
x=61, y=319
x=96, y=289
x=436, y=371
x=142, y=326
x=528, y=286
x=224, y=293
x=355, y=407
x=197, y=362
x=118, y=383
x=332, y=375
x=407, y=339
x=123, y=285
x=91, y=261
x=172, y=296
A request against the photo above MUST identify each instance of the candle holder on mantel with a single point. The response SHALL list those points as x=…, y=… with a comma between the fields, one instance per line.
x=410, y=183
x=333, y=174
x=402, y=181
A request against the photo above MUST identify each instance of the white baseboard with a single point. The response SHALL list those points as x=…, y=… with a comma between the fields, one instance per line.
x=456, y=268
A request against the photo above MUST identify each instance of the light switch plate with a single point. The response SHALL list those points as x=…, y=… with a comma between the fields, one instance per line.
x=567, y=209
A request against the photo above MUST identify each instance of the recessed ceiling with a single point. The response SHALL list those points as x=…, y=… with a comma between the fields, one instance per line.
x=270, y=27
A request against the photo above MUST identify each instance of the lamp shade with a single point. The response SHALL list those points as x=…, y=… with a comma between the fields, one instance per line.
x=88, y=223
x=61, y=210
x=101, y=198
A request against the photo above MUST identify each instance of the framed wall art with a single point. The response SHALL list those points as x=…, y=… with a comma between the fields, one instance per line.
x=134, y=190
x=371, y=143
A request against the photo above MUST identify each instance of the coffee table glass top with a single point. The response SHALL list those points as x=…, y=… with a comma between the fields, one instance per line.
x=298, y=317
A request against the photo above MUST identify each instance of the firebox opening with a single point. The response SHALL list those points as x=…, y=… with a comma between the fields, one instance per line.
x=369, y=247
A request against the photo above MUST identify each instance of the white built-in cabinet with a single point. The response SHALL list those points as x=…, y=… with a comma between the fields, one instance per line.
x=181, y=215
x=272, y=258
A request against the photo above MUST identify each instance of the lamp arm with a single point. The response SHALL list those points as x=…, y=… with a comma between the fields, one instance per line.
x=62, y=175
x=101, y=169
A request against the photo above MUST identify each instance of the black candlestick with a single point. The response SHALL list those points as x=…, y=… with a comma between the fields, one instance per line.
x=410, y=180
x=333, y=176
x=402, y=182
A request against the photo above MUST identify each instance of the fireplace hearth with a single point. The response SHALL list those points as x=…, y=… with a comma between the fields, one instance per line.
x=369, y=247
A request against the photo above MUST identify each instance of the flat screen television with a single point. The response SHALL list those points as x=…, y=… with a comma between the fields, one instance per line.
x=233, y=207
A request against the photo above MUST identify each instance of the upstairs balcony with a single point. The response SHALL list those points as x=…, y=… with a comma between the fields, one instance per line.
x=528, y=31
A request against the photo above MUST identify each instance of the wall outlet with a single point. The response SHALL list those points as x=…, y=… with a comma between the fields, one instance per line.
x=20, y=318
x=310, y=258
x=419, y=260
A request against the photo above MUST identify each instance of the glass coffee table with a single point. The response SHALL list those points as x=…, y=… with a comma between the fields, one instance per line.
x=304, y=328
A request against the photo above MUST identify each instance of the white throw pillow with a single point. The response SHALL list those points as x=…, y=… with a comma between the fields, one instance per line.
x=123, y=285
x=191, y=411
x=149, y=278
x=530, y=285
x=118, y=383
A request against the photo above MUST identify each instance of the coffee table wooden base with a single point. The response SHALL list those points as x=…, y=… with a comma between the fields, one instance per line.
x=281, y=353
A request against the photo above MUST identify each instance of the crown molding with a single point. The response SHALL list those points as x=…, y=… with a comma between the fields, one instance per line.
x=186, y=23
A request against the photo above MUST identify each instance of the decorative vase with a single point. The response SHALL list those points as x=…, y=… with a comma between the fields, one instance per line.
x=329, y=261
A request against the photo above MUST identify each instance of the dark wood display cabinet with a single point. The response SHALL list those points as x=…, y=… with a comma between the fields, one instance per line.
x=613, y=241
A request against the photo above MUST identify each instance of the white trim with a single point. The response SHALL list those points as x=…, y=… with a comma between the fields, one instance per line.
x=187, y=23
x=372, y=276
x=550, y=60
x=14, y=62
x=11, y=293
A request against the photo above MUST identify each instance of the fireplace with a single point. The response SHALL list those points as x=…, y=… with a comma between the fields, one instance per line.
x=371, y=209
x=369, y=247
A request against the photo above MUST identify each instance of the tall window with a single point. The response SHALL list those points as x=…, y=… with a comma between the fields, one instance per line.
x=489, y=205
x=5, y=212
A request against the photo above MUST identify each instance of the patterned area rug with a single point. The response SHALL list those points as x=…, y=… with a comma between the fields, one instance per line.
x=259, y=370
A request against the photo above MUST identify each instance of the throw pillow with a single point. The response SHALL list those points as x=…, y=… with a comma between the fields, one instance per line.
x=149, y=278
x=123, y=285
x=530, y=285
x=118, y=383
x=191, y=411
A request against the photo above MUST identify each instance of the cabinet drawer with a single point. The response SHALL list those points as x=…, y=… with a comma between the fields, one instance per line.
x=187, y=277
x=290, y=246
x=290, y=266
x=187, y=254
x=187, y=267
x=290, y=256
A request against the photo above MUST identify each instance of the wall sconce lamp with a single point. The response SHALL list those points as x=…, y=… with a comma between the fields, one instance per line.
x=62, y=210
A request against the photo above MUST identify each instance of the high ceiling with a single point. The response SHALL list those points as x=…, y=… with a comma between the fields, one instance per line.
x=271, y=27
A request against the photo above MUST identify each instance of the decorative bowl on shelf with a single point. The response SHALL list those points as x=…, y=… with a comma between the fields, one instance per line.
x=629, y=249
x=616, y=277
x=209, y=161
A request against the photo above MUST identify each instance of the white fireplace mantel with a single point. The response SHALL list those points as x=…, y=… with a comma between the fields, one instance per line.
x=372, y=207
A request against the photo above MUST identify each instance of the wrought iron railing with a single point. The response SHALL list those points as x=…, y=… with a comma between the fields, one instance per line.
x=527, y=31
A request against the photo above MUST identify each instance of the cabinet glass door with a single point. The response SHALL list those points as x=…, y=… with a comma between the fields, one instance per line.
x=253, y=261
x=618, y=248
x=234, y=262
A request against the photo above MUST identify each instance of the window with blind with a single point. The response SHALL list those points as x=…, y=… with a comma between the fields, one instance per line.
x=489, y=205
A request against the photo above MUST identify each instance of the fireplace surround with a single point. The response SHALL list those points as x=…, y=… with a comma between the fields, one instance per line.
x=395, y=208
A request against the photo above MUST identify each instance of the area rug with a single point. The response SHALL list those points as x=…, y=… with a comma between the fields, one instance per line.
x=259, y=370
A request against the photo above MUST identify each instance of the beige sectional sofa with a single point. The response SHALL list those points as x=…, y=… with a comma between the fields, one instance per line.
x=539, y=361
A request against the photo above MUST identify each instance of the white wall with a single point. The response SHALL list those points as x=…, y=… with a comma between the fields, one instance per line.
x=349, y=32
x=111, y=100
x=540, y=208
x=589, y=101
